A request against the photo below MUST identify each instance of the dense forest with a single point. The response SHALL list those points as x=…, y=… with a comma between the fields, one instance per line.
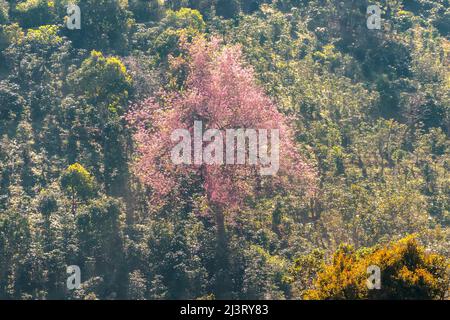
x=85, y=121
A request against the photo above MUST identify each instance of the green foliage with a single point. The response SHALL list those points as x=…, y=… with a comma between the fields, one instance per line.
x=44, y=35
x=34, y=13
x=102, y=81
x=259, y=266
x=48, y=203
x=10, y=101
x=227, y=8
x=102, y=88
x=4, y=16
x=186, y=23
x=144, y=10
x=304, y=271
x=105, y=25
x=137, y=286
x=369, y=108
x=77, y=181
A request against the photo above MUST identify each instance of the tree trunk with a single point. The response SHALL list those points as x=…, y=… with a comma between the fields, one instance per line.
x=223, y=279
x=74, y=203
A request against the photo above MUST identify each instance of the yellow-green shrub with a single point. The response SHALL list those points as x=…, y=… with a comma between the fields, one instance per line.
x=408, y=271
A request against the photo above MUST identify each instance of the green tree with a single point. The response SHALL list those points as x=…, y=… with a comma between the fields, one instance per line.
x=34, y=13
x=185, y=22
x=137, y=286
x=78, y=182
x=15, y=241
x=104, y=88
x=105, y=25
x=100, y=232
x=103, y=82
x=228, y=8
x=145, y=10
x=11, y=103
x=4, y=7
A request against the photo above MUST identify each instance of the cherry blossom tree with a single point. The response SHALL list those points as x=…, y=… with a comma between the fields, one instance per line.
x=221, y=92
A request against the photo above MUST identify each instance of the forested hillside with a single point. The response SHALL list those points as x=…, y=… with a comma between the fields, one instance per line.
x=85, y=123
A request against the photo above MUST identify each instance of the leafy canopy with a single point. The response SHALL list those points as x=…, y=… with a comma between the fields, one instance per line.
x=408, y=271
x=77, y=180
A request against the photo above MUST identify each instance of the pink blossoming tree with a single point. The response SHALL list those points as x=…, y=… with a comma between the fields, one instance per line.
x=221, y=92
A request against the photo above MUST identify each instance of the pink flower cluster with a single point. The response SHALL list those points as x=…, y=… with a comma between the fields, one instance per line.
x=221, y=92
